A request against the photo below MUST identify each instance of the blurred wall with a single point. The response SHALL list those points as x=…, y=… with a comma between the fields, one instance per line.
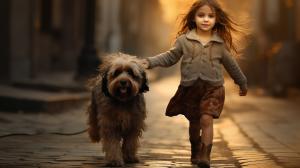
x=4, y=42
x=297, y=20
x=272, y=55
x=131, y=26
x=39, y=37
x=57, y=34
x=108, y=27
x=47, y=36
x=20, y=38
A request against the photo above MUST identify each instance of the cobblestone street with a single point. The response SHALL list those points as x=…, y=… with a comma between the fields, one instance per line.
x=254, y=131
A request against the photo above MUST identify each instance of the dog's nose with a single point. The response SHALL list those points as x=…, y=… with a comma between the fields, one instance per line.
x=123, y=82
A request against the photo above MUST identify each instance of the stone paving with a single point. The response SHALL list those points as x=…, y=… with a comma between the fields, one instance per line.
x=271, y=125
x=249, y=134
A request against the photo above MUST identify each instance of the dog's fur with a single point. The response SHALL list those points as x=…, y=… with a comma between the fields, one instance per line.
x=117, y=110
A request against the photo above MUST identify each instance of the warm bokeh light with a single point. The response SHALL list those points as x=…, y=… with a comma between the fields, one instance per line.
x=172, y=12
x=171, y=9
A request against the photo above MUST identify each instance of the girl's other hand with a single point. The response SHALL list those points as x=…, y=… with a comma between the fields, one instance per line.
x=243, y=91
x=145, y=63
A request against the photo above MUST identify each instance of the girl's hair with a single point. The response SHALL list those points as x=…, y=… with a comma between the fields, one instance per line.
x=224, y=25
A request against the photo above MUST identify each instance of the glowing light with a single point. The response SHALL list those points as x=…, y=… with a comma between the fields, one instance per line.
x=289, y=3
x=173, y=8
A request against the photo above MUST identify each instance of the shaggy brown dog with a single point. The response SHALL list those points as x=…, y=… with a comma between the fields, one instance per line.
x=117, y=109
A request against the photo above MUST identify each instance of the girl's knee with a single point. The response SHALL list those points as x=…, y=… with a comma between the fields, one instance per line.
x=206, y=120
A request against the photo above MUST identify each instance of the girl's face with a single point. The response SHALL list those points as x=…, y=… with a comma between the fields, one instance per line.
x=205, y=18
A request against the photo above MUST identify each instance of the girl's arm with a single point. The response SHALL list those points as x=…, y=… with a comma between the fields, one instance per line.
x=168, y=58
x=235, y=71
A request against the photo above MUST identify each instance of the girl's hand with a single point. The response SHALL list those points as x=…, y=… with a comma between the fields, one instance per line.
x=243, y=91
x=145, y=63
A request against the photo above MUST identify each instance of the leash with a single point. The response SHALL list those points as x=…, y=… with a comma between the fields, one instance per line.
x=51, y=133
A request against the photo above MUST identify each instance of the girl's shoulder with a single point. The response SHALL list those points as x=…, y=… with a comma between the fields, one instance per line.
x=181, y=37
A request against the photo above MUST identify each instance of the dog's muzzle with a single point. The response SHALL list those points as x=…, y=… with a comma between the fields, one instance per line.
x=123, y=90
x=124, y=87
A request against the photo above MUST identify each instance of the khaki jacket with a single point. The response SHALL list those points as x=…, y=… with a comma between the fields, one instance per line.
x=200, y=61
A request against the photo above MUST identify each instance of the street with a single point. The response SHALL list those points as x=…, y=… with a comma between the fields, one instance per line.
x=255, y=131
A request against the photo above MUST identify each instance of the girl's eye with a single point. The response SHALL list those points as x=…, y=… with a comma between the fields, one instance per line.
x=200, y=15
x=211, y=16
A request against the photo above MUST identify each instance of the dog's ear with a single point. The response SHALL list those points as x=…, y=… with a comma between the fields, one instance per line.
x=104, y=84
x=144, y=88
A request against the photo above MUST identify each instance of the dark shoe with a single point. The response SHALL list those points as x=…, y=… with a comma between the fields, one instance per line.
x=204, y=161
x=195, y=150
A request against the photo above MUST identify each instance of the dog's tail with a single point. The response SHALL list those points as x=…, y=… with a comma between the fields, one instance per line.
x=94, y=129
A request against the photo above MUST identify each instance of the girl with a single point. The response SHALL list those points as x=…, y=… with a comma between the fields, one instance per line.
x=204, y=43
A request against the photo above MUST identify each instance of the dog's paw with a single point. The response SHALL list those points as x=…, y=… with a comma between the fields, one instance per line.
x=114, y=163
x=131, y=160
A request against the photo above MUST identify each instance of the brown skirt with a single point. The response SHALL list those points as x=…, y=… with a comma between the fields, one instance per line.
x=196, y=100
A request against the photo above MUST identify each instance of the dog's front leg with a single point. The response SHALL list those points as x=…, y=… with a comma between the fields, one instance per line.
x=113, y=153
x=129, y=148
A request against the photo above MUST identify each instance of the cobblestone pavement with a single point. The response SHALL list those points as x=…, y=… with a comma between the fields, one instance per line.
x=254, y=131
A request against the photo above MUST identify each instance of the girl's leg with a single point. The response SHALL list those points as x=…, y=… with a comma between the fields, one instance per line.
x=195, y=139
x=194, y=130
x=206, y=141
x=207, y=128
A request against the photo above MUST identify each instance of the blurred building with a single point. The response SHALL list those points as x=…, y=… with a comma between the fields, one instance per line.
x=39, y=37
x=272, y=58
x=130, y=26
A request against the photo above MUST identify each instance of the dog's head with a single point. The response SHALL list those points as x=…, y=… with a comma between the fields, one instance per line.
x=123, y=77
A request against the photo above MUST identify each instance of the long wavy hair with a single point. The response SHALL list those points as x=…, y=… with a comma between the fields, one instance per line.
x=224, y=24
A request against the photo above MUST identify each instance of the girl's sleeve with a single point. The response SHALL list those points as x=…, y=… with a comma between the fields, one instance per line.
x=168, y=58
x=234, y=70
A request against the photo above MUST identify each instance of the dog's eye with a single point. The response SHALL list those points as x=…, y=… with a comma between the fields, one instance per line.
x=131, y=73
x=117, y=72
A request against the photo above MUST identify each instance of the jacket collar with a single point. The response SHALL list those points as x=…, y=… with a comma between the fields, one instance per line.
x=192, y=35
